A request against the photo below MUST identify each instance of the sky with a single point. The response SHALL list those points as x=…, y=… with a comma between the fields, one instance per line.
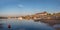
x=28, y=7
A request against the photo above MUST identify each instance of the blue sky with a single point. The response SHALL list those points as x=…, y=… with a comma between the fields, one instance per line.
x=26, y=7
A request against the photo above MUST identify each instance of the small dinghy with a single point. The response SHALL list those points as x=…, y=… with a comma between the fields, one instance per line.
x=9, y=26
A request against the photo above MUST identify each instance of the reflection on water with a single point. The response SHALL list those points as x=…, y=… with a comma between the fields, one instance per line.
x=23, y=25
x=1, y=24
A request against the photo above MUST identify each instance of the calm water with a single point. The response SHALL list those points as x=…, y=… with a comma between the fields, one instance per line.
x=23, y=25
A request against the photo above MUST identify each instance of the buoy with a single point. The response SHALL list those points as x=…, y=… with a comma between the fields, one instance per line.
x=9, y=26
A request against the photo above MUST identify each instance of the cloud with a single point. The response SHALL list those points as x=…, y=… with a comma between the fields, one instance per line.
x=20, y=5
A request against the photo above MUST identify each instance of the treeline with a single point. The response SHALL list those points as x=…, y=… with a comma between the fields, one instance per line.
x=3, y=18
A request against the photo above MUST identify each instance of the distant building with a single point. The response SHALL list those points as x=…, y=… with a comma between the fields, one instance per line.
x=35, y=18
x=43, y=13
x=20, y=18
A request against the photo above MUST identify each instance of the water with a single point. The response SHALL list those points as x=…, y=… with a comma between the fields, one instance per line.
x=23, y=25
